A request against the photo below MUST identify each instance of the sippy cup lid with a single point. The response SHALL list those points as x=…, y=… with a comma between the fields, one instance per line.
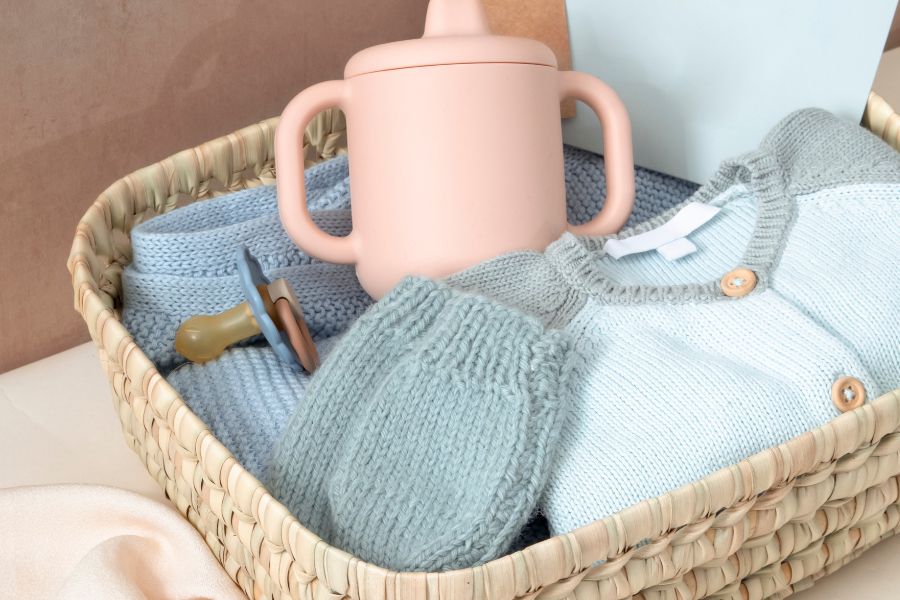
x=456, y=32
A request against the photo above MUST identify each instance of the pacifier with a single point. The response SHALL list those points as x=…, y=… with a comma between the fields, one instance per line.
x=271, y=309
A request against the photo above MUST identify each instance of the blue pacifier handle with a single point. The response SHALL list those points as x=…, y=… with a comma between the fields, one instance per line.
x=251, y=275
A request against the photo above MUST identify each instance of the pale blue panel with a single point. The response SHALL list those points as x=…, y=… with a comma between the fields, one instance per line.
x=704, y=80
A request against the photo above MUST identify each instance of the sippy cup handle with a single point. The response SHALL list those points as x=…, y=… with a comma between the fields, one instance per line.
x=617, y=151
x=291, y=185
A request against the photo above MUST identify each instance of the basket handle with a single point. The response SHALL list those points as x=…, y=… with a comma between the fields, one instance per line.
x=290, y=181
x=617, y=151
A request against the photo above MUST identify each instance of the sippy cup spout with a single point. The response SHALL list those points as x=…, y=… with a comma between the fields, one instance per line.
x=456, y=17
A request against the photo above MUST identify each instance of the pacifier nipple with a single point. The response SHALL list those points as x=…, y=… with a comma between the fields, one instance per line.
x=203, y=338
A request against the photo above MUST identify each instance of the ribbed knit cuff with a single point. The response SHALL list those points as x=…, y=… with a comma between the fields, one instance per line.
x=817, y=150
x=170, y=244
x=485, y=342
x=525, y=281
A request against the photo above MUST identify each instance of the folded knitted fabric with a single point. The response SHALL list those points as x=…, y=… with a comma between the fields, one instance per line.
x=200, y=238
x=183, y=263
x=671, y=364
x=426, y=437
x=245, y=397
x=156, y=304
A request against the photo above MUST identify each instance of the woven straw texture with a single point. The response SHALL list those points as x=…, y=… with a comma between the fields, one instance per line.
x=764, y=528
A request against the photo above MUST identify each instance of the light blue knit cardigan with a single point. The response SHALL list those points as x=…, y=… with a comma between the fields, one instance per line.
x=677, y=379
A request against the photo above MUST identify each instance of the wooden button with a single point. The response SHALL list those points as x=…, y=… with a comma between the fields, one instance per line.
x=848, y=393
x=738, y=283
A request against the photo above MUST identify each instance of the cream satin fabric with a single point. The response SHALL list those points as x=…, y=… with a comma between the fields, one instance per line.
x=84, y=541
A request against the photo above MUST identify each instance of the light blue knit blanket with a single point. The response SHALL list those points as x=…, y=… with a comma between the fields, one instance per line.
x=183, y=262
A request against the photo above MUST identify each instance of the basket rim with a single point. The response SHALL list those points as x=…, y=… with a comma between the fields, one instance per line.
x=534, y=570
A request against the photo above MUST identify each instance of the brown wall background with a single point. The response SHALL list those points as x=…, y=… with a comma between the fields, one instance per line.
x=94, y=89
x=894, y=37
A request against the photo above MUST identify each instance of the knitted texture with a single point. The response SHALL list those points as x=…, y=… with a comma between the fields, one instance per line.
x=671, y=364
x=156, y=305
x=245, y=397
x=199, y=239
x=184, y=263
x=431, y=430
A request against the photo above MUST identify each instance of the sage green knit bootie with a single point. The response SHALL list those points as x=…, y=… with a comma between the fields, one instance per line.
x=304, y=455
x=448, y=454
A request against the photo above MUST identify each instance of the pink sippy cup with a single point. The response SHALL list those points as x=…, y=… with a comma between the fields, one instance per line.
x=455, y=147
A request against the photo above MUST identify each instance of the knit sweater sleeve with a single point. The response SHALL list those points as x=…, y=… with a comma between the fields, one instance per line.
x=818, y=150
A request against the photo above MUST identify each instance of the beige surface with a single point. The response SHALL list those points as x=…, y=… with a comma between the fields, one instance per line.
x=57, y=425
x=894, y=37
x=80, y=542
x=92, y=90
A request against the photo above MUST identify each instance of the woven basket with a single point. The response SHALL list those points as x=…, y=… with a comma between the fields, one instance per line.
x=763, y=528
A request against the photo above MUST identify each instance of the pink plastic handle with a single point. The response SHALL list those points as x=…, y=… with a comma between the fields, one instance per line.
x=617, y=151
x=291, y=185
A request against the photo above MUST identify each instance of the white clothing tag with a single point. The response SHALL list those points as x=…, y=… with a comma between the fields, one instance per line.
x=686, y=221
x=677, y=249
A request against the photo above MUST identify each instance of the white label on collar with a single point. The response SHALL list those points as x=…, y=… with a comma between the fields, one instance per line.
x=688, y=220
x=677, y=249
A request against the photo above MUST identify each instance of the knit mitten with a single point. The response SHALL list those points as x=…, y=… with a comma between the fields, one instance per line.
x=245, y=397
x=447, y=455
x=304, y=457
